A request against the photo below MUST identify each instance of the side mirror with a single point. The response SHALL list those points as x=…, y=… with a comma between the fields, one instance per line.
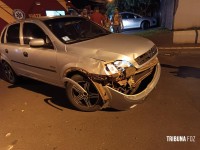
x=36, y=43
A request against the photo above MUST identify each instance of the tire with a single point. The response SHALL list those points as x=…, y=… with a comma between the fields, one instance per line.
x=9, y=73
x=145, y=25
x=90, y=101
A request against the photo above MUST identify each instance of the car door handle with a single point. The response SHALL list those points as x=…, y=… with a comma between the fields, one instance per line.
x=6, y=50
x=25, y=54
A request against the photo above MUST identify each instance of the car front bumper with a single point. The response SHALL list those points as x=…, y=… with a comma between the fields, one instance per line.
x=122, y=101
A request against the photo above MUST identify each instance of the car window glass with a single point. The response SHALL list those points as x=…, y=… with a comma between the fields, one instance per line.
x=123, y=16
x=32, y=31
x=72, y=30
x=136, y=16
x=131, y=16
x=13, y=34
x=2, y=37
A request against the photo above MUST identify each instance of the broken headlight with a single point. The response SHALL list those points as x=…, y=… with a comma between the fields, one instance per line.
x=116, y=66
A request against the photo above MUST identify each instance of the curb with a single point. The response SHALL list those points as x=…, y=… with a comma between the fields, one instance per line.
x=180, y=47
x=179, y=50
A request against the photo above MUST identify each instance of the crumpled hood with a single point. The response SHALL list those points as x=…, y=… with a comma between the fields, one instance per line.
x=112, y=47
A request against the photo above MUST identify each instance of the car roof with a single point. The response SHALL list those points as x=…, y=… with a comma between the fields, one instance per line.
x=130, y=13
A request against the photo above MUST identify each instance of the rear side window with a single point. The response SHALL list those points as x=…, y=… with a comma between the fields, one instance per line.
x=124, y=16
x=13, y=34
x=130, y=16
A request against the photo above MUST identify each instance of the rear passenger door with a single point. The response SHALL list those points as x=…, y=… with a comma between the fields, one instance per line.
x=12, y=49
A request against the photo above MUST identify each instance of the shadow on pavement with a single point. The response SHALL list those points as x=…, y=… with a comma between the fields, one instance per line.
x=110, y=110
x=184, y=71
x=56, y=96
x=54, y=102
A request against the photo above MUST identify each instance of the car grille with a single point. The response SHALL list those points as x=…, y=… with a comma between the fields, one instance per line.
x=146, y=56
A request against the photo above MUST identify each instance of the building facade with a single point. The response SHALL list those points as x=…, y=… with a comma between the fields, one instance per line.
x=29, y=8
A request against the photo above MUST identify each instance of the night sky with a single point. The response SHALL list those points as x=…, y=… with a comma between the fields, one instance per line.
x=80, y=3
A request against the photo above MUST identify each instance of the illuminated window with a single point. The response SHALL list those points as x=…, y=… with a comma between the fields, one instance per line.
x=52, y=13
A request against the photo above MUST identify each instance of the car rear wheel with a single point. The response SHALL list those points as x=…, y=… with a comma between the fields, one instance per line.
x=90, y=101
x=9, y=73
x=145, y=25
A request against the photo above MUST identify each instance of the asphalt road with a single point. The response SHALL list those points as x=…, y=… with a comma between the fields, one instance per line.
x=37, y=116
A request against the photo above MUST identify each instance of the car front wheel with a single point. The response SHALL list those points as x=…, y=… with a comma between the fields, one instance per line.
x=90, y=101
x=9, y=73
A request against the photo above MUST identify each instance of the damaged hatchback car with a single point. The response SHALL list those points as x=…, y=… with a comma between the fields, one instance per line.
x=97, y=68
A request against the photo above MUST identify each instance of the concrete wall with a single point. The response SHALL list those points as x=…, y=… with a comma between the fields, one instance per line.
x=186, y=19
x=185, y=37
x=29, y=7
x=187, y=14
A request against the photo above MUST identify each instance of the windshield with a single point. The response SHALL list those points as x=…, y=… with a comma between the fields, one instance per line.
x=74, y=29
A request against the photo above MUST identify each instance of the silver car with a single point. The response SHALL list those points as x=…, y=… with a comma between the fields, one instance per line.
x=97, y=68
x=132, y=20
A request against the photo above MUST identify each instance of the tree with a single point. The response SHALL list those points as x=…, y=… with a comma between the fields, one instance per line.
x=168, y=9
x=80, y=4
x=143, y=7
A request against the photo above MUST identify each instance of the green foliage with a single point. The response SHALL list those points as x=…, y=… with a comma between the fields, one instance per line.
x=143, y=7
x=110, y=8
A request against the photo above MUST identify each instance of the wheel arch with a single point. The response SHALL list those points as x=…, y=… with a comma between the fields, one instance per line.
x=4, y=58
x=75, y=70
x=9, y=73
x=144, y=22
x=9, y=62
x=69, y=72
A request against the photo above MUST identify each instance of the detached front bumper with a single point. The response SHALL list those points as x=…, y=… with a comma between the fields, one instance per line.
x=122, y=101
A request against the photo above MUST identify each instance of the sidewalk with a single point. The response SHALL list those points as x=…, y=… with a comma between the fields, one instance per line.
x=163, y=39
x=164, y=42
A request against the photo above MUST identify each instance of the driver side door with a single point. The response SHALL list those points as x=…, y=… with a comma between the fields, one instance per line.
x=41, y=62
